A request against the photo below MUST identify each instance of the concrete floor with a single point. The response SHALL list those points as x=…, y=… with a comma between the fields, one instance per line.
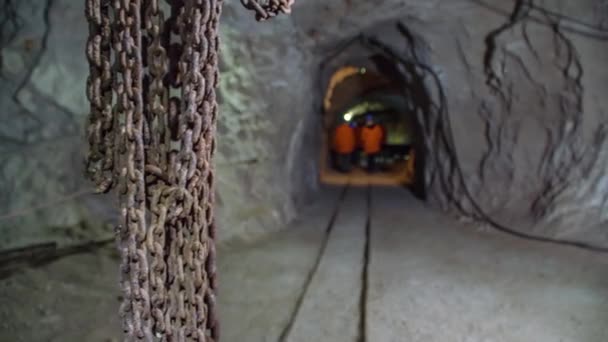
x=423, y=278
x=432, y=280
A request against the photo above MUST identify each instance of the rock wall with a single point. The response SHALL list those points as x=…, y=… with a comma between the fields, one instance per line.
x=43, y=194
x=517, y=126
x=264, y=126
x=267, y=131
x=509, y=95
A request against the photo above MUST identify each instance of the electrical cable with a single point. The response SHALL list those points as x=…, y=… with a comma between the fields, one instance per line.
x=452, y=153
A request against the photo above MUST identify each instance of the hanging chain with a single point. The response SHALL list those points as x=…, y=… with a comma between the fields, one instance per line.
x=99, y=93
x=156, y=150
x=266, y=9
x=156, y=142
x=130, y=108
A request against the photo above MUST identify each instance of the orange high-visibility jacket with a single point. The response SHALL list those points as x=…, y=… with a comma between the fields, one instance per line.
x=410, y=166
x=371, y=139
x=344, y=139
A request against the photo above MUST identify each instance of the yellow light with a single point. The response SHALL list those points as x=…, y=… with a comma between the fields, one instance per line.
x=337, y=78
x=363, y=70
x=348, y=116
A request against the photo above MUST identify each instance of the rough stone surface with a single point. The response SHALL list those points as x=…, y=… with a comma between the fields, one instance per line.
x=509, y=96
x=43, y=194
x=266, y=161
x=264, y=126
x=516, y=124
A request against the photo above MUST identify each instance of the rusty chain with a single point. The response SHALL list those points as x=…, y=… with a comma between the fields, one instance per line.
x=156, y=150
x=99, y=93
x=130, y=108
x=156, y=140
x=266, y=9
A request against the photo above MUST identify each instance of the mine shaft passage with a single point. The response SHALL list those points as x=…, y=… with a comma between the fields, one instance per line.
x=369, y=129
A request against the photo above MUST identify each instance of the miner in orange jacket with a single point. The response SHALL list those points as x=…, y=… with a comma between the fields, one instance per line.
x=372, y=137
x=344, y=144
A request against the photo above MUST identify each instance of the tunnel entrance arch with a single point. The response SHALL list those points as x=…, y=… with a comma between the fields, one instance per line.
x=355, y=98
x=358, y=80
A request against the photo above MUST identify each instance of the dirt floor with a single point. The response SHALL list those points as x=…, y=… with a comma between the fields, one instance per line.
x=389, y=269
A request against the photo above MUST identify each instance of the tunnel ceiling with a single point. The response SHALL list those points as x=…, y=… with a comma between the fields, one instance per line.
x=353, y=87
x=376, y=101
x=509, y=96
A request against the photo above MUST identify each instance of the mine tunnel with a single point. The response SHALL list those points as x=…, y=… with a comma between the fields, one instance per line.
x=159, y=184
x=368, y=95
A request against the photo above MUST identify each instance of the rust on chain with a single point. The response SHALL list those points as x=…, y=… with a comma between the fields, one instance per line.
x=100, y=133
x=266, y=9
x=153, y=75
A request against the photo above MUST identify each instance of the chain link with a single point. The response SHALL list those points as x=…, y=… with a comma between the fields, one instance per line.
x=157, y=142
x=130, y=107
x=267, y=9
x=100, y=161
x=156, y=151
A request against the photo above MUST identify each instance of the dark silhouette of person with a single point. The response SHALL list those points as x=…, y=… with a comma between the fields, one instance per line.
x=372, y=136
x=344, y=144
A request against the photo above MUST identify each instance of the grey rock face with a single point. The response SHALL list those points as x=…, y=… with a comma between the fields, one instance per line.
x=266, y=162
x=264, y=128
x=44, y=196
x=515, y=130
x=510, y=99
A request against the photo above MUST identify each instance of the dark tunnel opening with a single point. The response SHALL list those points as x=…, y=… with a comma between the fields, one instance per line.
x=365, y=78
x=356, y=95
x=437, y=162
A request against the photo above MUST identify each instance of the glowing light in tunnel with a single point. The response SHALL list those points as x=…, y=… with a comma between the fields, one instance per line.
x=363, y=108
x=337, y=78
